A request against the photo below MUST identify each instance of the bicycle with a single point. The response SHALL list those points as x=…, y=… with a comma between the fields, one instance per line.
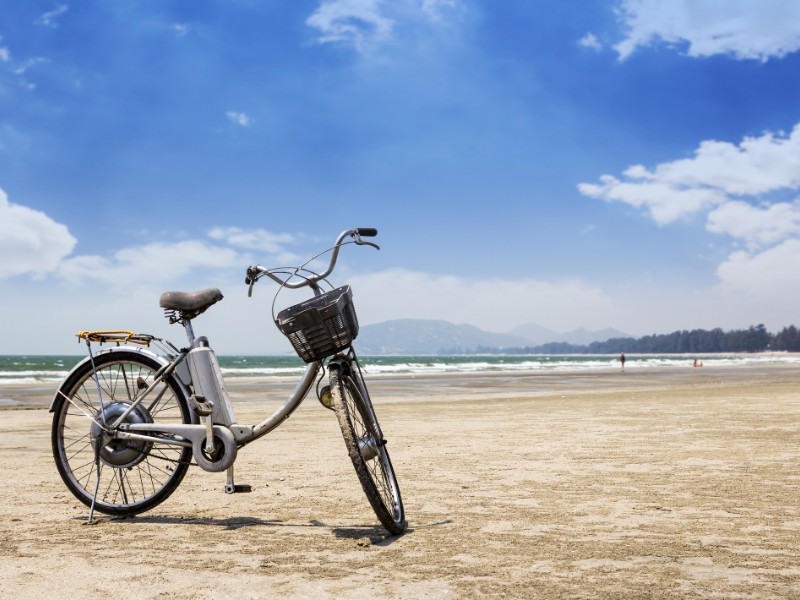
x=129, y=420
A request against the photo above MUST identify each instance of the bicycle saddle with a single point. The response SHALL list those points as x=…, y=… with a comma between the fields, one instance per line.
x=190, y=303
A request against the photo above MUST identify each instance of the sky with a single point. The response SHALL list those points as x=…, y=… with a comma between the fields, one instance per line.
x=632, y=164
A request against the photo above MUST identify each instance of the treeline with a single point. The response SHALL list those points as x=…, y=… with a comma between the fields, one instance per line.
x=754, y=339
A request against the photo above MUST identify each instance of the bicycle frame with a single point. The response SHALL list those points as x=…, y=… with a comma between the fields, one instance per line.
x=197, y=371
x=197, y=433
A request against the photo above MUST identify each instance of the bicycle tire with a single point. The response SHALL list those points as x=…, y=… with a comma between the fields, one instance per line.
x=367, y=447
x=134, y=475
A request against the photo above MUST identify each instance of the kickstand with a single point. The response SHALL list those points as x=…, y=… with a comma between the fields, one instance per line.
x=103, y=425
x=233, y=488
x=96, y=483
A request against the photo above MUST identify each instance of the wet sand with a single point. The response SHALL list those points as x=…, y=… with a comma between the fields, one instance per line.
x=656, y=483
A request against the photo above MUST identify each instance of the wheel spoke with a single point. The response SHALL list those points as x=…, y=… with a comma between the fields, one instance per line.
x=360, y=429
x=121, y=475
x=134, y=475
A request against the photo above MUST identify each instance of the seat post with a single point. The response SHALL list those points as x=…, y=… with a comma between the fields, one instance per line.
x=187, y=325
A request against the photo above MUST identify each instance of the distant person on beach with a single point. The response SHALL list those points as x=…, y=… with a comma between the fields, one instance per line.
x=622, y=360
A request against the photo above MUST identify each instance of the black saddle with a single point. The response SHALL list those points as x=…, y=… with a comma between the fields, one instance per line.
x=190, y=304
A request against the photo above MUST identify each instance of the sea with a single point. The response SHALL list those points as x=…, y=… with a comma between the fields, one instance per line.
x=22, y=370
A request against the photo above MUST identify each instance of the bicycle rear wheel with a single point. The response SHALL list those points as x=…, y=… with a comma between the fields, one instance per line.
x=134, y=475
x=367, y=447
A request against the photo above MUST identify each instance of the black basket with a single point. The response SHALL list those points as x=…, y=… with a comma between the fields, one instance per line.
x=321, y=326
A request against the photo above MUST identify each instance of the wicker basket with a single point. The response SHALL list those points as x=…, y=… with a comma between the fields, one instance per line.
x=321, y=326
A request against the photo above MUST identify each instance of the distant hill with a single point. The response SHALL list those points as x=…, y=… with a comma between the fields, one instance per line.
x=537, y=335
x=420, y=336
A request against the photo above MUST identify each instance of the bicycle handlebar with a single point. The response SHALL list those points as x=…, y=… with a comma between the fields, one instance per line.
x=254, y=272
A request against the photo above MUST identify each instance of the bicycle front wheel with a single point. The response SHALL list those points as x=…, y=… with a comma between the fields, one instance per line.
x=129, y=476
x=367, y=447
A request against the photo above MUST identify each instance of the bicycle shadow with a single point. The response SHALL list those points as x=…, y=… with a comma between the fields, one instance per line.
x=375, y=533
x=229, y=524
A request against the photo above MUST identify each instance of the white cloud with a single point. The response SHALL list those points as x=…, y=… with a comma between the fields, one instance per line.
x=770, y=275
x=30, y=241
x=153, y=263
x=745, y=29
x=239, y=118
x=180, y=29
x=366, y=24
x=436, y=9
x=357, y=22
x=28, y=64
x=757, y=226
x=664, y=201
x=590, y=41
x=718, y=172
x=48, y=19
x=162, y=262
x=253, y=239
x=5, y=55
x=756, y=166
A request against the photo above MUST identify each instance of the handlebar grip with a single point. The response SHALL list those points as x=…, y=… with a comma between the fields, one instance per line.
x=367, y=231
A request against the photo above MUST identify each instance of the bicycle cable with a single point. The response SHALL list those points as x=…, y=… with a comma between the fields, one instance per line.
x=299, y=272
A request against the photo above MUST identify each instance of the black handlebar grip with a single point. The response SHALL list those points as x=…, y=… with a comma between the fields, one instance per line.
x=367, y=231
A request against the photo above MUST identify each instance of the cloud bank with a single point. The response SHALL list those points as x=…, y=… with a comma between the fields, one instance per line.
x=732, y=184
x=495, y=304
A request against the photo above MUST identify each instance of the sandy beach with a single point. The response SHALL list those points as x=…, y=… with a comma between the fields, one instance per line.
x=673, y=483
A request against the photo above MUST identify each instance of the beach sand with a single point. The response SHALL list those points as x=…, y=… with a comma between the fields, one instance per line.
x=672, y=483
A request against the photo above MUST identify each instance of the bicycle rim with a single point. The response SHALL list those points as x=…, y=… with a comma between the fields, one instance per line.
x=130, y=476
x=367, y=450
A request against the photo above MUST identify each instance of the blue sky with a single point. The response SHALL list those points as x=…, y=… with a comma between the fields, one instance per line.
x=621, y=163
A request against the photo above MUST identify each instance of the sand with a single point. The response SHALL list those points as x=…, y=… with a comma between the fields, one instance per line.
x=672, y=483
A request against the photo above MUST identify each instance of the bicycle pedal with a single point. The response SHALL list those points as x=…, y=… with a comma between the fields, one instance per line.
x=238, y=488
x=201, y=406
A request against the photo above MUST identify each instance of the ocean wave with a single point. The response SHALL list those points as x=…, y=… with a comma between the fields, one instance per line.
x=26, y=380
x=261, y=371
x=53, y=371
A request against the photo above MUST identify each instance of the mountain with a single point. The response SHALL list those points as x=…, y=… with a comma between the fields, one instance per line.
x=536, y=335
x=420, y=336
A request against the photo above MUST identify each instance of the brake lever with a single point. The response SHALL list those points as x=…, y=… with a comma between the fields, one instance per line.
x=250, y=279
x=359, y=242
